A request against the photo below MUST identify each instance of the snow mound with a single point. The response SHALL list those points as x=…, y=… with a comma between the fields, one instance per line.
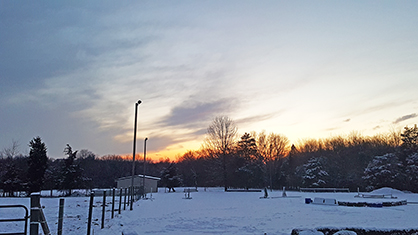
x=345, y=232
x=129, y=233
x=310, y=232
x=386, y=191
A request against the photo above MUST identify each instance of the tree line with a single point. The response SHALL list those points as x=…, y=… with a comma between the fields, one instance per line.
x=258, y=160
x=252, y=160
x=79, y=170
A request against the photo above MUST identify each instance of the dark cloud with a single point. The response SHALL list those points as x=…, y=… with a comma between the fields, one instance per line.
x=406, y=117
x=193, y=115
x=376, y=127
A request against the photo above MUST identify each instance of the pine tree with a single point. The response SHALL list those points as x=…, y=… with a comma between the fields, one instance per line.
x=410, y=139
x=412, y=172
x=315, y=174
x=247, y=147
x=71, y=173
x=383, y=171
x=37, y=163
x=250, y=173
x=11, y=181
x=169, y=177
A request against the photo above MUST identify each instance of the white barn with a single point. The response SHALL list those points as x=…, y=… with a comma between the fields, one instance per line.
x=150, y=182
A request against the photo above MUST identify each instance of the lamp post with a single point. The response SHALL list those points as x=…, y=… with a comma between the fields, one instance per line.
x=133, y=154
x=145, y=158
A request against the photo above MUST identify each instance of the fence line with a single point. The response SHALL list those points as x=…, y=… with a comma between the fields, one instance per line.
x=125, y=193
x=37, y=218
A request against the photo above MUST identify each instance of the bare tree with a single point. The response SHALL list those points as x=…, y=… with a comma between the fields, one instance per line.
x=12, y=151
x=311, y=145
x=272, y=148
x=221, y=137
x=394, y=137
x=85, y=153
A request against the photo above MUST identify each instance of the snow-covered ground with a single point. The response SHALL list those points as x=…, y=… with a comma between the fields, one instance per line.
x=216, y=212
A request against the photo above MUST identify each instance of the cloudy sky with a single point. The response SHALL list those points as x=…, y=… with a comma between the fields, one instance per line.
x=71, y=72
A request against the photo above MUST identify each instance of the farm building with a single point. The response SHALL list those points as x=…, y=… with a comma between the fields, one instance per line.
x=150, y=182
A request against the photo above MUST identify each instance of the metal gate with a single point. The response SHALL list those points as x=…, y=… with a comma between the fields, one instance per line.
x=25, y=218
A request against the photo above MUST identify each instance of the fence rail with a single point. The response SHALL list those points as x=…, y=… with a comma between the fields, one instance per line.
x=26, y=218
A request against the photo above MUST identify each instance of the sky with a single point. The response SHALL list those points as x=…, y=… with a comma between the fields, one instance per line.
x=71, y=72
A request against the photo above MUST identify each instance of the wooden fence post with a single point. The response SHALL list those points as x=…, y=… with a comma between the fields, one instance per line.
x=104, y=209
x=90, y=213
x=124, y=201
x=113, y=203
x=37, y=216
x=35, y=205
x=60, y=216
x=120, y=200
x=132, y=198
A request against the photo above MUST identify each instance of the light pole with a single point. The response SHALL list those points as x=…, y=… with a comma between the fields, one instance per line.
x=145, y=158
x=133, y=154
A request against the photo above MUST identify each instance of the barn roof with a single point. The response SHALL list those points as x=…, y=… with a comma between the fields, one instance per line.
x=140, y=176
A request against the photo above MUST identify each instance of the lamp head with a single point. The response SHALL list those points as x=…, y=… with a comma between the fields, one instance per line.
x=139, y=102
x=146, y=138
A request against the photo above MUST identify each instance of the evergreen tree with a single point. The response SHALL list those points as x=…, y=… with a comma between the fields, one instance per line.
x=37, y=163
x=186, y=166
x=250, y=172
x=412, y=172
x=169, y=177
x=410, y=139
x=383, y=171
x=52, y=174
x=247, y=147
x=11, y=182
x=315, y=174
x=289, y=168
x=71, y=174
x=13, y=173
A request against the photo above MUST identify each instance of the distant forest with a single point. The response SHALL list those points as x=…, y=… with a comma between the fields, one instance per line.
x=253, y=160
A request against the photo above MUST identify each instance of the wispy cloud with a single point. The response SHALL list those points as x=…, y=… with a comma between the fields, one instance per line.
x=404, y=118
x=256, y=118
x=331, y=129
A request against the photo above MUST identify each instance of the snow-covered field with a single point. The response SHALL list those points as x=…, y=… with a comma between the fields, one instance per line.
x=216, y=212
